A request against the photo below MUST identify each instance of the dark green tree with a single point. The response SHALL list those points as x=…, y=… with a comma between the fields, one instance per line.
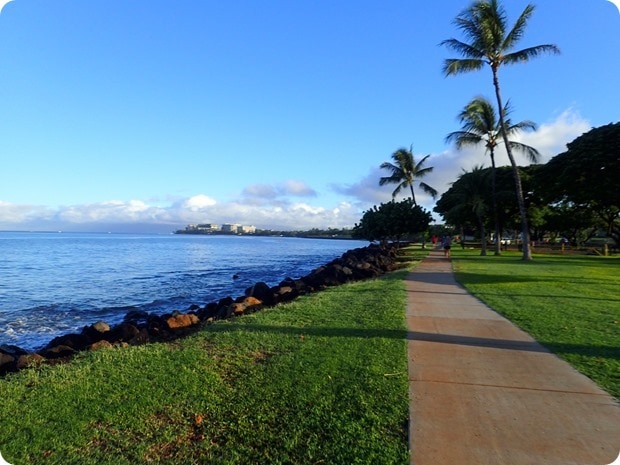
x=392, y=221
x=468, y=201
x=404, y=171
x=491, y=43
x=586, y=176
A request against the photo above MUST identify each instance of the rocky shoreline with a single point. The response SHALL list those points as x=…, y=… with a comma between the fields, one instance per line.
x=141, y=327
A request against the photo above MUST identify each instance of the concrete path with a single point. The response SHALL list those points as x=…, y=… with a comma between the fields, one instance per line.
x=484, y=392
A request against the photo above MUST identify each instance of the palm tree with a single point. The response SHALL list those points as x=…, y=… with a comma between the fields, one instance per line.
x=484, y=24
x=480, y=125
x=404, y=172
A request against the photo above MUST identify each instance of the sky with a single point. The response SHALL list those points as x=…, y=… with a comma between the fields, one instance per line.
x=148, y=115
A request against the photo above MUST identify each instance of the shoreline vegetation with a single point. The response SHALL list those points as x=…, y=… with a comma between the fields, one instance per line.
x=257, y=389
x=314, y=233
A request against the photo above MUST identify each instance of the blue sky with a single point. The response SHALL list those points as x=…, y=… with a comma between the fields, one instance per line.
x=149, y=115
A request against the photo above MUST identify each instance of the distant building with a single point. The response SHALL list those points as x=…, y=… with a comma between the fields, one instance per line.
x=210, y=228
x=205, y=227
x=230, y=227
x=246, y=229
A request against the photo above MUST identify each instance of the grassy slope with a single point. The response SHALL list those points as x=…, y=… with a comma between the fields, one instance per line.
x=321, y=380
x=571, y=304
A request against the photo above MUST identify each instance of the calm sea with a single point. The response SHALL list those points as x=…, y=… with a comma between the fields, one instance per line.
x=55, y=283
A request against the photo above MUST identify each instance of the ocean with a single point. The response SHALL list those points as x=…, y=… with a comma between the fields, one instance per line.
x=56, y=283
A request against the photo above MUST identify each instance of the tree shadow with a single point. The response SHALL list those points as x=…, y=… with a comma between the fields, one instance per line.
x=590, y=350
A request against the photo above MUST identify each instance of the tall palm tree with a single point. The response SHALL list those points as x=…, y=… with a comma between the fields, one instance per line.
x=491, y=43
x=480, y=125
x=404, y=172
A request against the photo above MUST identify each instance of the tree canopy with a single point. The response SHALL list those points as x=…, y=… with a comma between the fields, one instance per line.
x=392, y=221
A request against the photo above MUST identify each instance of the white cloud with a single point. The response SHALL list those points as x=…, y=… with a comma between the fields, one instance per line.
x=198, y=202
x=3, y=4
x=297, y=188
x=261, y=192
x=270, y=206
x=550, y=139
x=135, y=215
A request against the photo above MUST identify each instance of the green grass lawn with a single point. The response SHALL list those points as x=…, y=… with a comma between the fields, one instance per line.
x=322, y=380
x=569, y=303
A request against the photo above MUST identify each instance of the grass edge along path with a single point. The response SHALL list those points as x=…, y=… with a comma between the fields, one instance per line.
x=568, y=303
x=320, y=380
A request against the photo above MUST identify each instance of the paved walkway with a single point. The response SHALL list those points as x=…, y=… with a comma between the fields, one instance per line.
x=484, y=392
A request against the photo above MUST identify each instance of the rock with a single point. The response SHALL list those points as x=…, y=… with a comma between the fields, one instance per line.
x=73, y=341
x=223, y=307
x=262, y=292
x=122, y=333
x=136, y=317
x=183, y=320
x=143, y=337
x=96, y=332
x=58, y=351
x=29, y=360
x=103, y=344
x=237, y=308
x=7, y=363
x=12, y=350
x=208, y=311
x=285, y=293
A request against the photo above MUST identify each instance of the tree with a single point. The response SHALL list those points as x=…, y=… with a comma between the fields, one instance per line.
x=404, y=172
x=480, y=125
x=467, y=200
x=586, y=176
x=491, y=43
x=392, y=221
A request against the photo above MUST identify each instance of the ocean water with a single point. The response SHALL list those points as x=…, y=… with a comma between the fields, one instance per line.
x=55, y=283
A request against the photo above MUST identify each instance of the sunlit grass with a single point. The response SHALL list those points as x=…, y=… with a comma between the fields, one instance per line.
x=320, y=380
x=571, y=304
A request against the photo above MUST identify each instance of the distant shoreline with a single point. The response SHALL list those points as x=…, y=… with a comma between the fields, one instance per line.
x=265, y=233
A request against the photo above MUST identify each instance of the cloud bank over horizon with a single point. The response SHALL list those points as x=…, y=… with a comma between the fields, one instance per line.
x=287, y=205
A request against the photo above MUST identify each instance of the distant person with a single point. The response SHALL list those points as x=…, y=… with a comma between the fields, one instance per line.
x=434, y=240
x=447, y=245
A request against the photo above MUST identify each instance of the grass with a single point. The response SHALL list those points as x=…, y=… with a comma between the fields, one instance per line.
x=322, y=380
x=570, y=304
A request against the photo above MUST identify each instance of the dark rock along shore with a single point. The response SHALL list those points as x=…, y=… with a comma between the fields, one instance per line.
x=142, y=327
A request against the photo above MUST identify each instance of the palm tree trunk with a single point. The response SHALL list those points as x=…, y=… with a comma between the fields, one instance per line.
x=412, y=194
x=525, y=231
x=483, y=238
x=495, y=212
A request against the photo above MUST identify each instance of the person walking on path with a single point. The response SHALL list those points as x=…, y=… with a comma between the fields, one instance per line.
x=447, y=245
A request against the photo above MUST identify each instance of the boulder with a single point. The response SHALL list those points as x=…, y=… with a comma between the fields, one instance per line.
x=96, y=332
x=29, y=360
x=103, y=344
x=208, y=311
x=7, y=363
x=285, y=293
x=245, y=305
x=12, y=350
x=262, y=292
x=182, y=320
x=136, y=317
x=223, y=307
x=57, y=351
x=73, y=341
x=124, y=332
